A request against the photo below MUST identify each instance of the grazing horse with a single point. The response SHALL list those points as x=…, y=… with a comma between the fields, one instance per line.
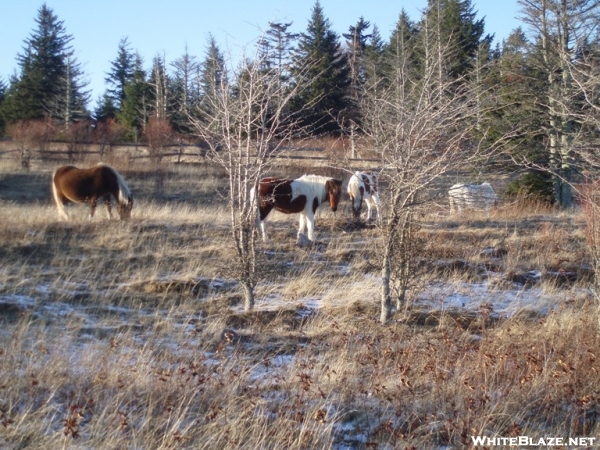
x=302, y=195
x=474, y=196
x=363, y=186
x=70, y=184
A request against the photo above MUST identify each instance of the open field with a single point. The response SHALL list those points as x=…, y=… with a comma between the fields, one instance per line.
x=132, y=334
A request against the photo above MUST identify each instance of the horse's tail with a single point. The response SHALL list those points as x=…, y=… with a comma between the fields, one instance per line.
x=125, y=196
x=57, y=199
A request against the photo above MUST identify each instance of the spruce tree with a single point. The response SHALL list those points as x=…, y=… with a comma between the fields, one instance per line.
x=184, y=91
x=374, y=57
x=400, y=57
x=318, y=58
x=275, y=50
x=451, y=35
x=212, y=75
x=121, y=73
x=105, y=108
x=136, y=107
x=49, y=83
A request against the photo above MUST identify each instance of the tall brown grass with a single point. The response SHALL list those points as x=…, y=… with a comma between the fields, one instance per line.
x=130, y=334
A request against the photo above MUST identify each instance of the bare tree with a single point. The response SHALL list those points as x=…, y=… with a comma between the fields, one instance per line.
x=243, y=126
x=29, y=137
x=584, y=75
x=423, y=127
x=158, y=136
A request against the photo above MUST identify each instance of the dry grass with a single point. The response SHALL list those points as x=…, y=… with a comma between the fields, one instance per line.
x=131, y=335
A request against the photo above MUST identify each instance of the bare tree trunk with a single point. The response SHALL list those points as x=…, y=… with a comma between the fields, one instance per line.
x=243, y=132
x=386, y=281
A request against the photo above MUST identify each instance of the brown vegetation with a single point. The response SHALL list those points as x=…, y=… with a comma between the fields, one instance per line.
x=131, y=335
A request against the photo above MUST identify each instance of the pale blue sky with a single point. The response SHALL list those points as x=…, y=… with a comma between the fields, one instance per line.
x=167, y=26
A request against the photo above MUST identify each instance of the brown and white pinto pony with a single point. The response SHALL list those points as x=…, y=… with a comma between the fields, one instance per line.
x=363, y=186
x=301, y=195
x=70, y=184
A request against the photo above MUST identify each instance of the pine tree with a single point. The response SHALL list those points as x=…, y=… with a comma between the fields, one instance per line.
x=450, y=36
x=374, y=57
x=105, y=108
x=401, y=58
x=213, y=73
x=212, y=76
x=318, y=58
x=136, y=107
x=121, y=73
x=275, y=51
x=184, y=91
x=49, y=83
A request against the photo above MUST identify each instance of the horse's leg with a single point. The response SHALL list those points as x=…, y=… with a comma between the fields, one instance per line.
x=263, y=213
x=368, y=202
x=310, y=222
x=108, y=206
x=375, y=199
x=93, y=203
x=263, y=229
x=302, y=224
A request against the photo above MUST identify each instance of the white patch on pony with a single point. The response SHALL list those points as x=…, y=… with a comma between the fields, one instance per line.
x=311, y=186
x=472, y=196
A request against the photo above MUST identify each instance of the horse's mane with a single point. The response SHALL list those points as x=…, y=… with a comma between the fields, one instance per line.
x=124, y=192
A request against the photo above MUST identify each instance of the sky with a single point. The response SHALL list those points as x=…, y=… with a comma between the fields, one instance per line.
x=168, y=27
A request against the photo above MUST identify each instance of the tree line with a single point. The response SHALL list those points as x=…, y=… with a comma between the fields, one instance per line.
x=536, y=88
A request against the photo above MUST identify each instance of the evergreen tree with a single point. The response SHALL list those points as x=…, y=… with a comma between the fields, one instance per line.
x=49, y=83
x=451, y=35
x=136, y=107
x=517, y=86
x=275, y=51
x=184, y=92
x=401, y=57
x=121, y=73
x=212, y=76
x=374, y=57
x=318, y=58
x=105, y=108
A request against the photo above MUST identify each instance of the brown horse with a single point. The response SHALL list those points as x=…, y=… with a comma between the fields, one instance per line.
x=302, y=195
x=70, y=184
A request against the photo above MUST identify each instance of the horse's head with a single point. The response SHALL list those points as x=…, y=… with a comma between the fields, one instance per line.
x=356, y=204
x=125, y=208
x=334, y=192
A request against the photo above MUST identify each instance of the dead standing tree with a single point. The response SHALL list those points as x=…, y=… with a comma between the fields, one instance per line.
x=243, y=126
